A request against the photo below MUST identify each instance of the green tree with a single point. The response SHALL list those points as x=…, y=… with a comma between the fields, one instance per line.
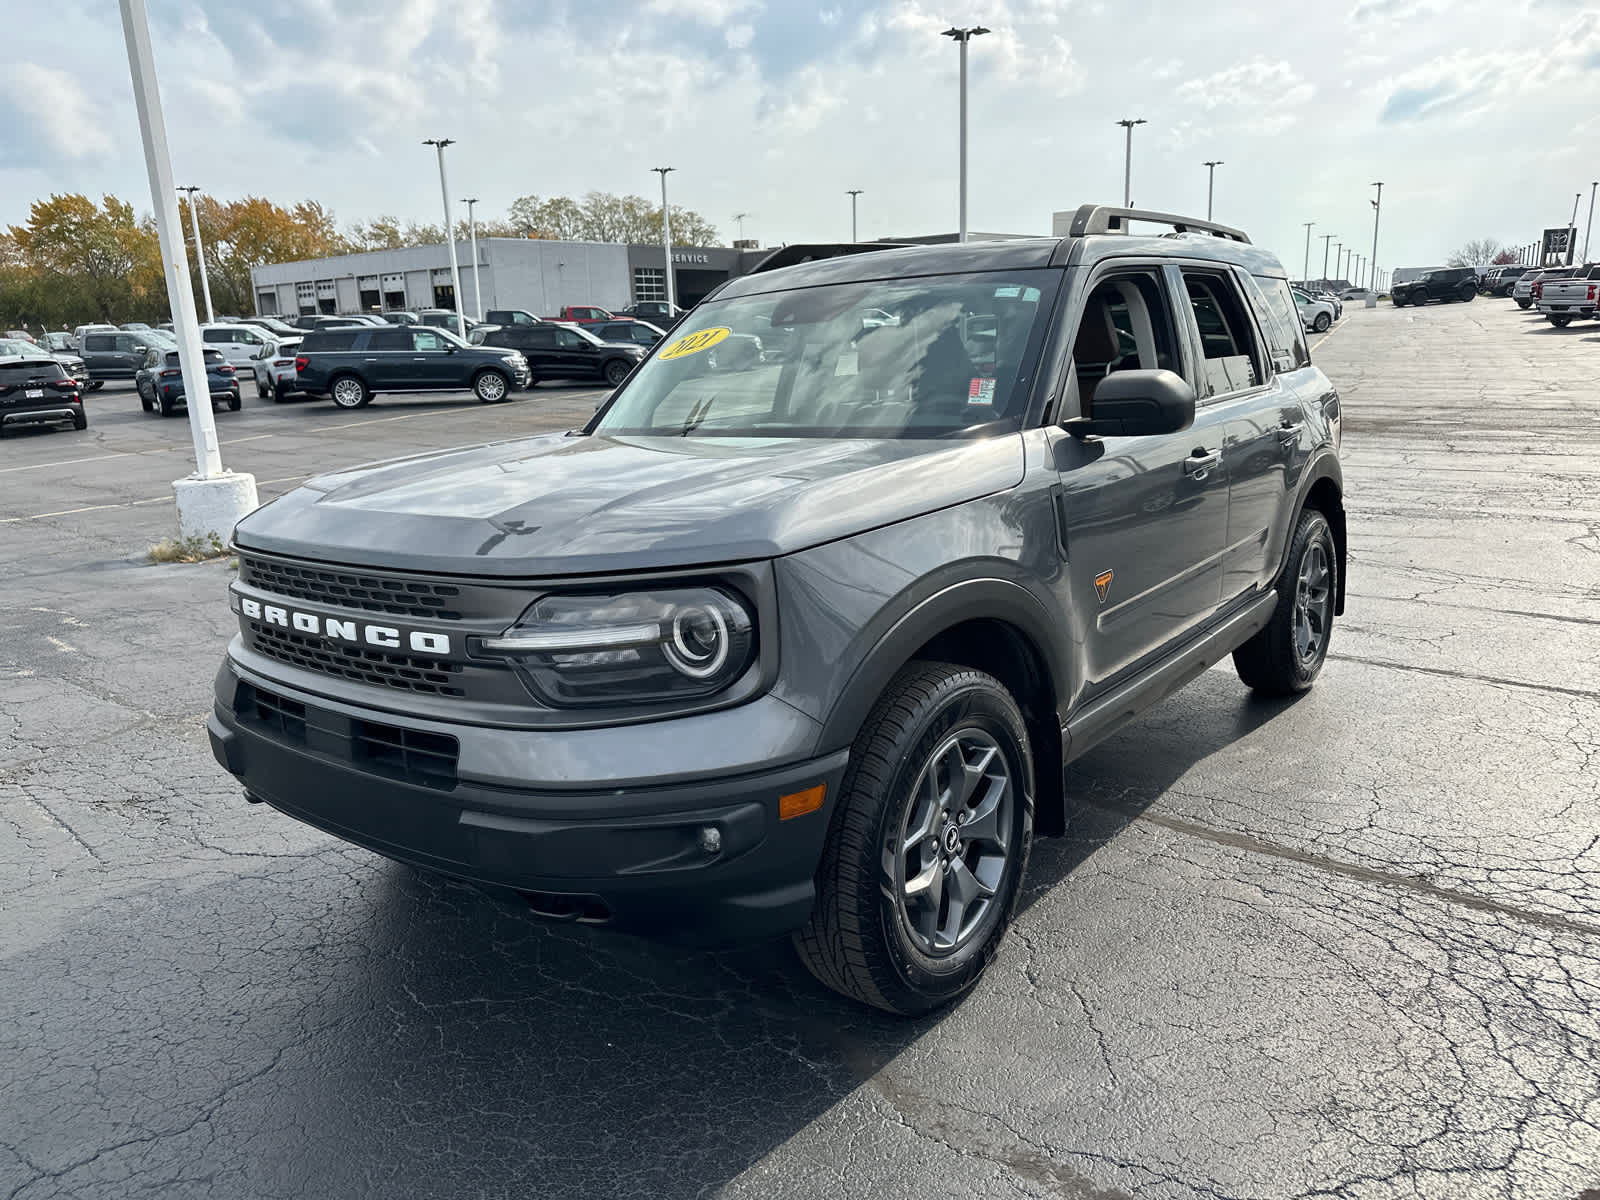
x=104, y=263
x=242, y=234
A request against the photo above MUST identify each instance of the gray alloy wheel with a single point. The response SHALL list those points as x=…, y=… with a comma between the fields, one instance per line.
x=616, y=371
x=1313, y=604
x=1322, y=322
x=490, y=387
x=1286, y=656
x=348, y=392
x=952, y=848
x=927, y=843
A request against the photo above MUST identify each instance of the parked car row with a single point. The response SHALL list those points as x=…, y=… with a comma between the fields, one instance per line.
x=1566, y=294
x=1318, y=310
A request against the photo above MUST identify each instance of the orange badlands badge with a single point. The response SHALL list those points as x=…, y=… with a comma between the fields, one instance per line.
x=1102, y=584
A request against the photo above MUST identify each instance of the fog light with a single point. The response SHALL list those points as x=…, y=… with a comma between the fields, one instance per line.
x=710, y=839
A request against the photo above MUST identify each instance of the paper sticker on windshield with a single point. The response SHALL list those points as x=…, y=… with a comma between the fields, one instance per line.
x=695, y=342
x=981, y=391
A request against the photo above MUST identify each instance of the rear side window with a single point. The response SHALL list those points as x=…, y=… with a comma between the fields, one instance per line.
x=12, y=374
x=389, y=339
x=217, y=335
x=331, y=339
x=1230, y=361
x=1280, y=320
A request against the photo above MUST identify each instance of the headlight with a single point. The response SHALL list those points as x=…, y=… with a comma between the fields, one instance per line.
x=629, y=648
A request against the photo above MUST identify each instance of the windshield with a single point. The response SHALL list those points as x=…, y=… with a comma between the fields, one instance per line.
x=896, y=358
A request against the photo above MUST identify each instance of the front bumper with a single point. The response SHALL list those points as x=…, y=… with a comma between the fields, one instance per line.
x=633, y=857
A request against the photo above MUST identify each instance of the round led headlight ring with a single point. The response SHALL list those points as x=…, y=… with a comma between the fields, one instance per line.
x=698, y=641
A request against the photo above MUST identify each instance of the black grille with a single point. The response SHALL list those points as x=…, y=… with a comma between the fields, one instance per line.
x=360, y=663
x=285, y=717
x=410, y=754
x=343, y=589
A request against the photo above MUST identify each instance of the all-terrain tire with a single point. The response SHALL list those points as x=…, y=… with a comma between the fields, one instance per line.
x=859, y=940
x=1277, y=660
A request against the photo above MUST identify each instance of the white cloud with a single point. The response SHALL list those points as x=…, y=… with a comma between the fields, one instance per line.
x=54, y=102
x=1259, y=96
x=704, y=12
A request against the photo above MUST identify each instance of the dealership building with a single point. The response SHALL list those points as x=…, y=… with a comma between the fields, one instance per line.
x=540, y=276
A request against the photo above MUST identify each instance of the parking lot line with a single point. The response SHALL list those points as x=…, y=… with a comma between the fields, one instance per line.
x=66, y=462
x=67, y=512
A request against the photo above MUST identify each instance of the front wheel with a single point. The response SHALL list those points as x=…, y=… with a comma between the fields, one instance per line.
x=1468, y=294
x=1322, y=322
x=928, y=842
x=1560, y=322
x=616, y=371
x=1285, y=657
x=349, y=392
x=490, y=387
x=1524, y=303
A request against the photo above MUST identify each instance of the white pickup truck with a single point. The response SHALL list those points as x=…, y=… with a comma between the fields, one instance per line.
x=1564, y=300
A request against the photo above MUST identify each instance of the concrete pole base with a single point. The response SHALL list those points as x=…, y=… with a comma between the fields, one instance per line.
x=1372, y=301
x=213, y=505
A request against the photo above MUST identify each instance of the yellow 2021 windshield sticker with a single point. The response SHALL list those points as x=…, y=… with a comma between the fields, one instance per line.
x=693, y=343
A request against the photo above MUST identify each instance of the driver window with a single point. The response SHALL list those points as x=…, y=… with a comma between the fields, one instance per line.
x=1126, y=325
x=426, y=339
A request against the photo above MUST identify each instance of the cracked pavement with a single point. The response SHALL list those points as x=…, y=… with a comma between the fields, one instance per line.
x=1347, y=946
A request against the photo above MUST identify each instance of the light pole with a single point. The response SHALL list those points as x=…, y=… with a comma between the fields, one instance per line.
x=472, y=233
x=962, y=36
x=1127, y=160
x=853, y=193
x=212, y=499
x=200, y=254
x=738, y=219
x=1338, y=255
x=666, y=236
x=449, y=232
x=1572, y=228
x=1377, y=211
x=1326, y=238
x=1305, y=270
x=1211, y=179
x=1590, y=228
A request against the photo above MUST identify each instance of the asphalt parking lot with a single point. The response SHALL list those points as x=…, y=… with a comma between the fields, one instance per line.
x=1347, y=946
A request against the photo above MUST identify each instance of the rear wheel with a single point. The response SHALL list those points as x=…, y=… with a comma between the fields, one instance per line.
x=1285, y=657
x=81, y=419
x=279, y=393
x=348, y=391
x=261, y=389
x=1560, y=322
x=96, y=384
x=1469, y=293
x=491, y=387
x=145, y=402
x=928, y=842
x=234, y=402
x=1524, y=303
x=616, y=371
x=168, y=407
x=1322, y=322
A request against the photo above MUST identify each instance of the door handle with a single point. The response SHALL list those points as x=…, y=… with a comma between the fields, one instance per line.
x=1198, y=465
x=1289, y=432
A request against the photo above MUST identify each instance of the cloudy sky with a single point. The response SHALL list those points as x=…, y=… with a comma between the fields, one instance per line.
x=1481, y=117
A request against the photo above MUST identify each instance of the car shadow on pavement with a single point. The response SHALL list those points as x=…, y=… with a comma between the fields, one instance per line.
x=1113, y=785
x=330, y=1023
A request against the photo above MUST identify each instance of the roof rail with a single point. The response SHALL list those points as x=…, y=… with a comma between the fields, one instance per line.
x=1101, y=218
x=800, y=252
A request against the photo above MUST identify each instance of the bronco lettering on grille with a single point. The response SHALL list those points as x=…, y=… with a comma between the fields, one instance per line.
x=387, y=637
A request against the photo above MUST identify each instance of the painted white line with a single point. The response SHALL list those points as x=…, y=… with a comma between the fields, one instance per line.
x=67, y=512
x=66, y=462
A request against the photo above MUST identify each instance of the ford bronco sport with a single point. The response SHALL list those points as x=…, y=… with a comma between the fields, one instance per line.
x=803, y=646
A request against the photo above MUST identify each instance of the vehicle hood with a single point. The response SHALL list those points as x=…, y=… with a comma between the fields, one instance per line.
x=563, y=505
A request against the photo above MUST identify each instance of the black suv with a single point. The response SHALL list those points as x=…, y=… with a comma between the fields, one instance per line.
x=1447, y=283
x=558, y=351
x=804, y=646
x=353, y=365
x=119, y=355
x=38, y=391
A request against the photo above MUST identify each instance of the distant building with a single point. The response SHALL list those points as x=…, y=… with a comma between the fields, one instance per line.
x=540, y=276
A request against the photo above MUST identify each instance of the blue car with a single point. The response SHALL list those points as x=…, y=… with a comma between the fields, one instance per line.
x=160, y=382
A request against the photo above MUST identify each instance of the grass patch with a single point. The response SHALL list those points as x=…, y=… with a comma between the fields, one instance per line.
x=188, y=550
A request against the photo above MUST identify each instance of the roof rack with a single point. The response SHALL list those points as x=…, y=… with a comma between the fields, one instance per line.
x=801, y=252
x=1100, y=218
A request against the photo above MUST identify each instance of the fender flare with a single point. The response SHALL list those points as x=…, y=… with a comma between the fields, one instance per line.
x=1324, y=465
x=909, y=624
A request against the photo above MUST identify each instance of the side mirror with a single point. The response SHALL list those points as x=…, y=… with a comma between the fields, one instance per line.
x=1137, y=404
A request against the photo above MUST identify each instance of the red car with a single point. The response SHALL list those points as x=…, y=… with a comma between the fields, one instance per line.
x=583, y=314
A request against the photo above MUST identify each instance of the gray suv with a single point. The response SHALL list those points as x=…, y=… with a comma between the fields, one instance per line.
x=803, y=646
